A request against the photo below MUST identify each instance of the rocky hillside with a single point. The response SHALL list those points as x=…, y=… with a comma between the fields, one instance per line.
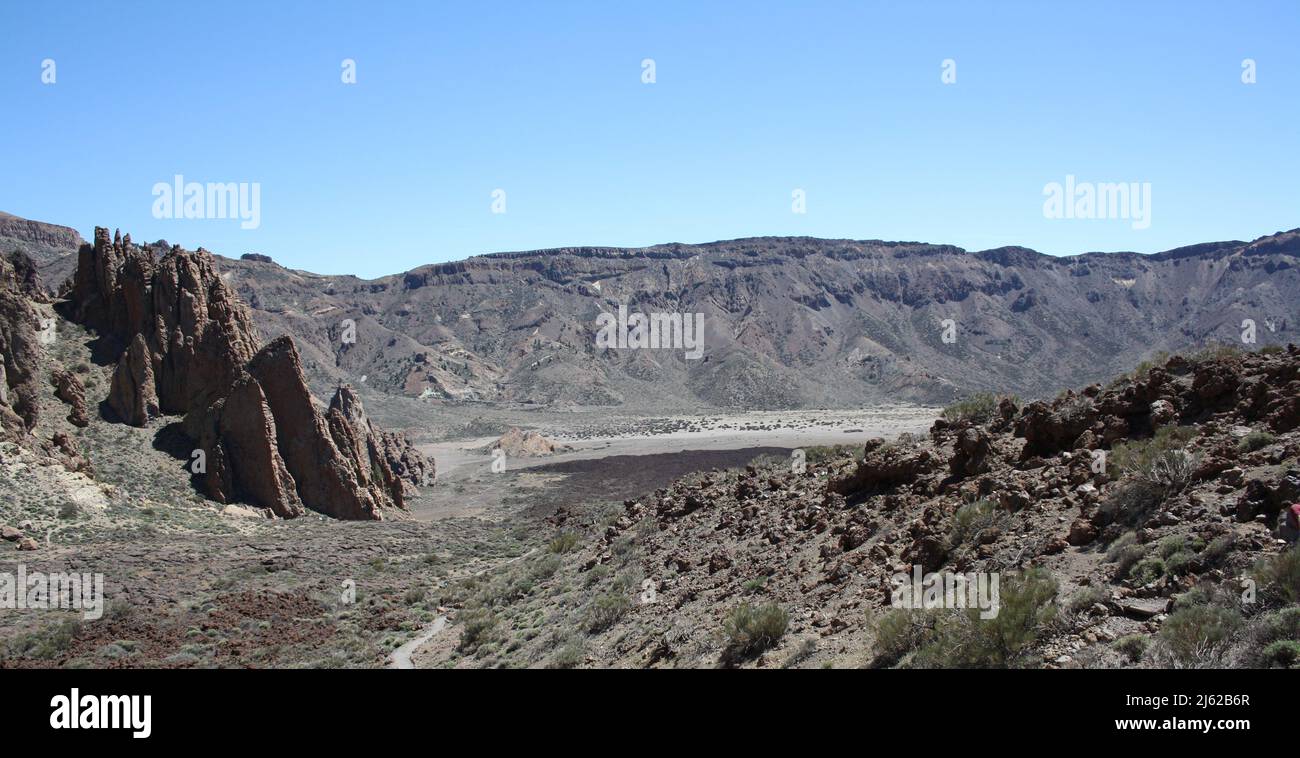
x=43, y=243
x=789, y=322
x=1131, y=524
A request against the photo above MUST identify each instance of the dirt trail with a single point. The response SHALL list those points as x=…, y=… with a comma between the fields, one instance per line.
x=401, y=658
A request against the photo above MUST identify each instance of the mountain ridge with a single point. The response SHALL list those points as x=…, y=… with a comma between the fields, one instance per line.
x=791, y=321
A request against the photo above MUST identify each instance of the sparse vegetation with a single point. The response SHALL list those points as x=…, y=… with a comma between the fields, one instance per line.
x=751, y=629
x=1133, y=646
x=976, y=409
x=1257, y=439
x=961, y=639
x=973, y=518
x=1194, y=632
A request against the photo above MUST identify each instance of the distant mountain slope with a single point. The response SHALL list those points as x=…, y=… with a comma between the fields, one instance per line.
x=788, y=321
x=50, y=246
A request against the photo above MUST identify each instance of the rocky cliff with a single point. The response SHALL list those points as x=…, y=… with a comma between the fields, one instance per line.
x=188, y=347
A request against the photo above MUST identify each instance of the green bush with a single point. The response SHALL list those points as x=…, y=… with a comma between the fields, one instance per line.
x=971, y=519
x=961, y=639
x=900, y=631
x=1132, y=501
x=1283, y=654
x=976, y=409
x=606, y=610
x=564, y=542
x=1133, y=646
x=1218, y=549
x=1189, y=633
x=1127, y=557
x=1256, y=440
x=751, y=629
x=1148, y=570
x=1279, y=577
x=1138, y=456
x=1087, y=598
x=477, y=629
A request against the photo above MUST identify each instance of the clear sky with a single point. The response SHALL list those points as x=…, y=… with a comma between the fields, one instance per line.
x=751, y=101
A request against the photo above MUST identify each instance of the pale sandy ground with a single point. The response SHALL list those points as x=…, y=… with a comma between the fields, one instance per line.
x=466, y=483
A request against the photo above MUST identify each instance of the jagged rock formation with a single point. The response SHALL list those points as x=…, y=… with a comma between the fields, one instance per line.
x=69, y=389
x=20, y=348
x=190, y=348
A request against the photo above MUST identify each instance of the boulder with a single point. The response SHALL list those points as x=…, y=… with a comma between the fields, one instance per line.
x=69, y=389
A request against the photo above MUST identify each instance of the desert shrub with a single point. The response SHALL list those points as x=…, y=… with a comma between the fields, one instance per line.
x=1192, y=632
x=1133, y=646
x=1127, y=558
x=1283, y=624
x=961, y=639
x=976, y=409
x=1132, y=501
x=1282, y=654
x=477, y=627
x=1270, y=350
x=1136, y=456
x=1218, y=549
x=1180, y=563
x=45, y=643
x=971, y=519
x=1279, y=577
x=1173, y=544
x=606, y=610
x=1087, y=598
x=1267, y=630
x=899, y=632
x=1255, y=440
x=1113, y=550
x=1148, y=570
x=597, y=573
x=1214, y=352
x=822, y=453
x=564, y=542
x=751, y=629
x=570, y=655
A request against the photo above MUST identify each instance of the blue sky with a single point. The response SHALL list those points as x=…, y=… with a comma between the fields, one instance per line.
x=751, y=101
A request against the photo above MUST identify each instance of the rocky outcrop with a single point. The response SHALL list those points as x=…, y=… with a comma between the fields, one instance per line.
x=69, y=389
x=131, y=394
x=884, y=467
x=190, y=348
x=238, y=435
x=20, y=351
x=970, y=456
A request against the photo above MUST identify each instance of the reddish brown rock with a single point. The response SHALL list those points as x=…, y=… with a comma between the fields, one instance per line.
x=328, y=480
x=20, y=352
x=131, y=393
x=191, y=349
x=970, y=456
x=238, y=436
x=884, y=467
x=69, y=389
